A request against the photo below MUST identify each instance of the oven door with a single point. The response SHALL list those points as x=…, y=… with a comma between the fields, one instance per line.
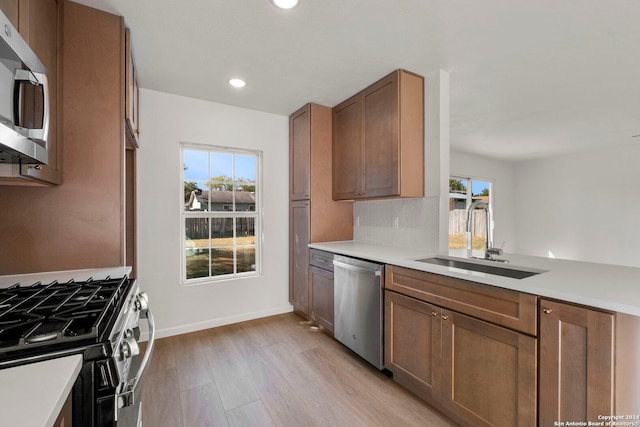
x=129, y=404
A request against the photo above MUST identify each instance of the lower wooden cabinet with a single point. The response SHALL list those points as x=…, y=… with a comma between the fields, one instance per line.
x=488, y=372
x=299, y=257
x=576, y=363
x=321, y=282
x=478, y=373
x=65, y=417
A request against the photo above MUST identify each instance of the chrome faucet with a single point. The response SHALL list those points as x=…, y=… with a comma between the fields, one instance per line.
x=489, y=250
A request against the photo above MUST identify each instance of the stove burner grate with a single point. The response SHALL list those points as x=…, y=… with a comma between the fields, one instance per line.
x=57, y=313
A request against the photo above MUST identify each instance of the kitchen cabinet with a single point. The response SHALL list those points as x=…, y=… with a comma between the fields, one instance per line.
x=588, y=363
x=65, y=418
x=81, y=223
x=39, y=22
x=378, y=140
x=299, y=257
x=131, y=93
x=10, y=10
x=321, y=286
x=478, y=372
x=314, y=216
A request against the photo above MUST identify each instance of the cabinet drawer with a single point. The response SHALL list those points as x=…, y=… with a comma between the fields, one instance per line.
x=512, y=309
x=321, y=259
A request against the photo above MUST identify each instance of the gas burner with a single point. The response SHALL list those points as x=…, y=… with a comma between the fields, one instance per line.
x=58, y=313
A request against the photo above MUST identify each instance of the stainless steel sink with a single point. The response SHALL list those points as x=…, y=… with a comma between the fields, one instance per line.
x=513, y=273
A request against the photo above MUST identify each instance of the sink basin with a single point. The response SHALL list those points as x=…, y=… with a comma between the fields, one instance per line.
x=482, y=268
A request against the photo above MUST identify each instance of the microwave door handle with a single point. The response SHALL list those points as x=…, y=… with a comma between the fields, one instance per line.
x=127, y=398
x=35, y=79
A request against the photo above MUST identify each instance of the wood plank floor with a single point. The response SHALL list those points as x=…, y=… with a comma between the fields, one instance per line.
x=274, y=371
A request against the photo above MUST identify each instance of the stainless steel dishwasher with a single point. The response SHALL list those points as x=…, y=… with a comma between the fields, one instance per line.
x=358, y=321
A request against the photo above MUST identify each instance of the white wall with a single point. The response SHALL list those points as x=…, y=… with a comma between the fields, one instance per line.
x=584, y=206
x=420, y=221
x=502, y=175
x=165, y=121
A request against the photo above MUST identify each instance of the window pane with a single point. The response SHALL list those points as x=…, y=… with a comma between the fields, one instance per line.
x=197, y=261
x=479, y=192
x=457, y=213
x=222, y=261
x=245, y=231
x=245, y=168
x=221, y=232
x=196, y=165
x=246, y=258
x=222, y=165
x=221, y=200
x=196, y=233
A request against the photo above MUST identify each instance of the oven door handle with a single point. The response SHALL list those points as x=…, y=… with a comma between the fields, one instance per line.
x=127, y=398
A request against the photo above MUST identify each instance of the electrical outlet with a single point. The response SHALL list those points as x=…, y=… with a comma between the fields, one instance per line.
x=394, y=221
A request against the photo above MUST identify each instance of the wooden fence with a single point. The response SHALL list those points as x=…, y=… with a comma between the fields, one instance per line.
x=198, y=228
x=458, y=222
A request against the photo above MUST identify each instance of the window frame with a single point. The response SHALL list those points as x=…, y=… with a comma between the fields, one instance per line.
x=256, y=214
x=468, y=182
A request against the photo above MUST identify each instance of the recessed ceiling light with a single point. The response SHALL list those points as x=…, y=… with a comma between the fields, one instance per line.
x=237, y=83
x=285, y=4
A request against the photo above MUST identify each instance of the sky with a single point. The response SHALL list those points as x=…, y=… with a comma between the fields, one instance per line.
x=197, y=165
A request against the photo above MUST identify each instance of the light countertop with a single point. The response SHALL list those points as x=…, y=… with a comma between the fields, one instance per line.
x=33, y=395
x=609, y=287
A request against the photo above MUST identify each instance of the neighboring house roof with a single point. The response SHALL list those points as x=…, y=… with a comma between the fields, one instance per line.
x=224, y=197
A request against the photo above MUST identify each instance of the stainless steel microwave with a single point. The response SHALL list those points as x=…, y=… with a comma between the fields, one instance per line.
x=24, y=100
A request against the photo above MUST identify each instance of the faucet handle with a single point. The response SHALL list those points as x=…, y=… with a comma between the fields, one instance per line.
x=494, y=251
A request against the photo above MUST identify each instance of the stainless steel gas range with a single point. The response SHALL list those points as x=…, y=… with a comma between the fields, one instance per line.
x=98, y=319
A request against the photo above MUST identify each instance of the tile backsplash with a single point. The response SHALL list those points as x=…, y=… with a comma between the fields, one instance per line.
x=405, y=223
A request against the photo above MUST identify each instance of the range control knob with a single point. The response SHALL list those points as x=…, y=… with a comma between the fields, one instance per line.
x=142, y=302
x=129, y=348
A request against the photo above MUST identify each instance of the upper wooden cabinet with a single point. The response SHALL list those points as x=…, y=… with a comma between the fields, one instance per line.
x=378, y=140
x=39, y=22
x=131, y=94
x=85, y=222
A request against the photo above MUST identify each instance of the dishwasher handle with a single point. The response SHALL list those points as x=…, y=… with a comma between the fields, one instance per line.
x=355, y=268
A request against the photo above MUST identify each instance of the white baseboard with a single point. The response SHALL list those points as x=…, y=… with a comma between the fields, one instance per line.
x=192, y=327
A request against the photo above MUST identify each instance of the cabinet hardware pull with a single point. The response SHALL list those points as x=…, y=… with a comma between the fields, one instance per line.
x=445, y=317
x=37, y=167
x=547, y=310
x=434, y=314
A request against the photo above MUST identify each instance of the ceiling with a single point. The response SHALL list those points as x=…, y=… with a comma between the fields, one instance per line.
x=528, y=79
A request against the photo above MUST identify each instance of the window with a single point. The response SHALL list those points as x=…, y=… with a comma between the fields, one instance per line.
x=462, y=193
x=220, y=213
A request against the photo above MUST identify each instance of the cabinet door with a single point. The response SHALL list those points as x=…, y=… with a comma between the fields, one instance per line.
x=347, y=150
x=39, y=25
x=131, y=93
x=300, y=154
x=322, y=297
x=412, y=347
x=489, y=372
x=10, y=10
x=299, y=257
x=380, y=154
x=576, y=363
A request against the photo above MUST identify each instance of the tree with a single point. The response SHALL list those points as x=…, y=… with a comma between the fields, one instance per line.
x=225, y=183
x=457, y=185
x=484, y=192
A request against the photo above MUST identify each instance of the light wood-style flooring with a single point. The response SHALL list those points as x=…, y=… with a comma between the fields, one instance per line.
x=274, y=371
